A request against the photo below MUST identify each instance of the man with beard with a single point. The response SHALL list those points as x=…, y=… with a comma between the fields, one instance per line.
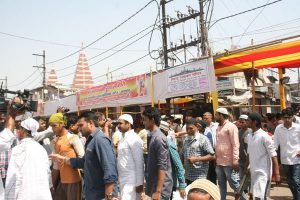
x=262, y=155
x=196, y=151
x=130, y=160
x=99, y=164
x=227, y=153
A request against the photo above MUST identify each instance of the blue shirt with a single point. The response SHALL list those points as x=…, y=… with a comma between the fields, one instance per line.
x=99, y=165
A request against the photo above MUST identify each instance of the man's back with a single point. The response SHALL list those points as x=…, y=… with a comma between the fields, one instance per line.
x=28, y=175
x=159, y=159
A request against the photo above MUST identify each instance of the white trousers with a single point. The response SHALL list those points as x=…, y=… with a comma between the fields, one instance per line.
x=128, y=192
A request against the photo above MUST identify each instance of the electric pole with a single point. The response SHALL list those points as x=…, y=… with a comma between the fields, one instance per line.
x=44, y=72
x=165, y=43
x=202, y=29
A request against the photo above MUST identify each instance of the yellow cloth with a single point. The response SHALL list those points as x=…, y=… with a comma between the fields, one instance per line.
x=57, y=118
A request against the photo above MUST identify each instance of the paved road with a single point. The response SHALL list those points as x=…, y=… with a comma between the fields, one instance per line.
x=281, y=192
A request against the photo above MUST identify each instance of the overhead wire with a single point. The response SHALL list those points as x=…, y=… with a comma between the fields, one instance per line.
x=243, y=12
x=61, y=44
x=27, y=78
x=117, y=45
x=105, y=58
x=253, y=20
x=123, y=66
x=106, y=34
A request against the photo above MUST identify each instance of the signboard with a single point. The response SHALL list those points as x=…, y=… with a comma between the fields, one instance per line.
x=191, y=78
x=128, y=88
x=225, y=84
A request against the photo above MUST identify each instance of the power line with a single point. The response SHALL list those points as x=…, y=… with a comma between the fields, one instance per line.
x=140, y=58
x=246, y=11
x=27, y=78
x=111, y=54
x=61, y=44
x=109, y=32
x=117, y=45
x=258, y=14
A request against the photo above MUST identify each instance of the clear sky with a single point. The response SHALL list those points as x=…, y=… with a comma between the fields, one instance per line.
x=73, y=22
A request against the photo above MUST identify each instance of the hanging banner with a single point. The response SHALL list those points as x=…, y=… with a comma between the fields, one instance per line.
x=128, y=88
x=188, y=79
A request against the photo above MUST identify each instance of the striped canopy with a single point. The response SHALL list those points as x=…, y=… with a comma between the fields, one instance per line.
x=283, y=55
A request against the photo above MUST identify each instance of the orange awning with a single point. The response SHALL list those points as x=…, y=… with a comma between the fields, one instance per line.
x=284, y=55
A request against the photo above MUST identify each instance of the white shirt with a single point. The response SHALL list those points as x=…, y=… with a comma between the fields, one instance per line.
x=213, y=126
x=261, y=150
x=289, y=142
x=6, y=139
x=28, y=174
x=130, y=159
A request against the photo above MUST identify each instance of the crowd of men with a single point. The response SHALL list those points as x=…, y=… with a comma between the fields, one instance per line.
x=91, y=157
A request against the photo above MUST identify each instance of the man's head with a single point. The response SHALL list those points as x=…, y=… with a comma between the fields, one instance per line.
x=125, y=123
x=101, y=119
x=287, y=116
x=42, y=123
x=58, y=122
x=151, y=118
x=243, y=121
x=201, y=125
x=203, y=189
x=87, y=123
x=221, y=115
x=254, y=121
x=191, y=127
x=207, y=117
x=164, y=127
x=72, y=125
x=27, y=128
x=189, y=115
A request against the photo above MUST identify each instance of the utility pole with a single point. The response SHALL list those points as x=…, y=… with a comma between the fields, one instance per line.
x=202, y=30
x=44, y=72
x=165, y=42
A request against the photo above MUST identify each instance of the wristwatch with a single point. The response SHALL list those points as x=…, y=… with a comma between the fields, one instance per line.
x=108, y=197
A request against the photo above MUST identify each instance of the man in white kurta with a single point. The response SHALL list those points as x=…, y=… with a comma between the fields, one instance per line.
x=28, y=174
x=262, y=155
x=130, y=160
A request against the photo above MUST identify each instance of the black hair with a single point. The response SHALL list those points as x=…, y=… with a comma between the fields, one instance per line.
x=225, y=116
x=270, y=116
x=37, y=118
x=71, y=121
x=256, y=117
x=177, y=121
x=200, y=191
x=202, y=123
x=288, y=111
x=90, y=116
x=153, y=114
x=189, y=113
x=192, y=121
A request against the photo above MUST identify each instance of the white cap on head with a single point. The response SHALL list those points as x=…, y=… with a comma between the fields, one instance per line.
x=245, y=117
x=222, y=111
x=127, y=118
x=30, y=125
x=164, y=125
